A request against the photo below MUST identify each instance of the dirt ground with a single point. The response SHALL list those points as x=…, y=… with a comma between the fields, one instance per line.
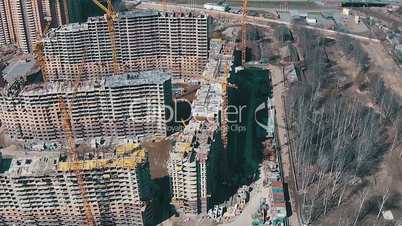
x=385, y=66
x=158, y=154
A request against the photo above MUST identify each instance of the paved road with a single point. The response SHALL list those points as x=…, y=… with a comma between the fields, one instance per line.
x=279, y=90
x=257, y=21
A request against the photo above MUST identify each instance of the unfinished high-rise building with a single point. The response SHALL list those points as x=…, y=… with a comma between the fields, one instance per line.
x=190, y=168
x=176, y=42
x=131, y=104
x=22, y=22
x=42, y=189
x=193, y=163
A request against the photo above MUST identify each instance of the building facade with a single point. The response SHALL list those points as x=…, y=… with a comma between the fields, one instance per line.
x=189, y=167
x=132, y=104
x=149, y=40
x=22, y=22
x=194, y=159
x=43, y=190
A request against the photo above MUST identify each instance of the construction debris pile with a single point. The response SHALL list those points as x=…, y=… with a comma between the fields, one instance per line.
x=272, y=210
x=239, y=201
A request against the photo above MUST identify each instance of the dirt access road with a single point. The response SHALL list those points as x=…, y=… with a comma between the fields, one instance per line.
x=382, y=63
x=279, y=90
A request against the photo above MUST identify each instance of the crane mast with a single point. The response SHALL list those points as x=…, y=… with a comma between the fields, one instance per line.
x=224, y=119
x=73, y=155
x=244, y=32
x=40, y=56
x=110, y=16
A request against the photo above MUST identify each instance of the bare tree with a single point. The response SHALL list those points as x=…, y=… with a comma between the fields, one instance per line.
x=363, y=197
x=384, y=199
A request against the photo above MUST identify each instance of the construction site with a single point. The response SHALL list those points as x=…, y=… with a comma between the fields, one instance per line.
x=141, y=40
x=32, y=112
x=41, y=188
x=91, y=132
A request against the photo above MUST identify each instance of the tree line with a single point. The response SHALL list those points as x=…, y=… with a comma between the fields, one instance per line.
x=337, y=140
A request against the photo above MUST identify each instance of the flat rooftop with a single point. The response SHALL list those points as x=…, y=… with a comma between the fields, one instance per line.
x=127, y=79
x=20, y=68
x=202, y=132
x=75, y=27
x=36, y=163
x=208, y=101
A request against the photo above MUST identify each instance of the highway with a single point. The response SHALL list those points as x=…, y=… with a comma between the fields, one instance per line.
x=257, y=21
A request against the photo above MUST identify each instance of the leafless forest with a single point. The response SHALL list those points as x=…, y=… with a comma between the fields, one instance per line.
x=338, y=140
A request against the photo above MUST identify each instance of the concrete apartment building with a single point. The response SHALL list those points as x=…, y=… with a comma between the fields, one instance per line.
x=42, y=189
x=146, y=40
x=190, y=168
x=22, y=22
x=192, y=164
x=131, y=104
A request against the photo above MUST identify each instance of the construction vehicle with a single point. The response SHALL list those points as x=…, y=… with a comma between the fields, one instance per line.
x=110, y=16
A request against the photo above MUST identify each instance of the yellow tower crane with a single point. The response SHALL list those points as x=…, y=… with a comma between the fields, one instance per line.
x=73, y=155
x=38, y=50
x=72, y=152
x=111, y=16
x=224, y=119
x=244, y=32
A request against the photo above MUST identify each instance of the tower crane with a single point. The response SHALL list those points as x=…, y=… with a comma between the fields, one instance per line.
x=224, y=119
x=244, y=32
x=73, y=155
x=71, y=149
x=38, y=50
x=110, y=16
